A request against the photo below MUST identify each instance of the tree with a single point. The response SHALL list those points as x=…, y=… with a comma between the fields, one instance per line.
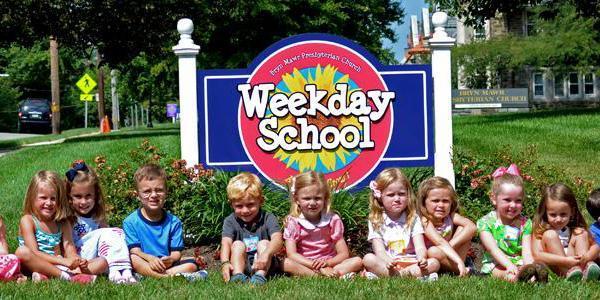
x=475, y=12
x=567, y=41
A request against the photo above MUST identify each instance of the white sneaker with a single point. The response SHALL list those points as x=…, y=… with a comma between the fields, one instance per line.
x=369, y=275
x=429, y=278
x=348, y=276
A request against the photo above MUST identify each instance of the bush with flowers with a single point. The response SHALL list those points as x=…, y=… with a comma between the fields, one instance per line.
x=197, y=195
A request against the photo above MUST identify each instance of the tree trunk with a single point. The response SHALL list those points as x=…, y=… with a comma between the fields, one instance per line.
x=100, y=88
x=54, y=86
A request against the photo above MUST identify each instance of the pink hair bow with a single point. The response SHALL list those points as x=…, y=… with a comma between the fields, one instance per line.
x=512, y=170
x=376, y=191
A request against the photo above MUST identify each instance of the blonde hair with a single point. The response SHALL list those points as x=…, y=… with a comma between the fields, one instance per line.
x=53, y=180
x=427, y=186
x=150, y=172
x=562, y=193
x=505, y=179
x=243, y=185
x=89, y=177
x=383, y=180
x=306, y=179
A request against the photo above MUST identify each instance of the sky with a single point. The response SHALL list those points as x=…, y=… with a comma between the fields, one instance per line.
x=411, y=7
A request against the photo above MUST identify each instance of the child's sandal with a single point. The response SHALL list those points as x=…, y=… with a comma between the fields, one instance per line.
x=258, y=279
x=542, y=272
x=526, y=273
x=238, y=278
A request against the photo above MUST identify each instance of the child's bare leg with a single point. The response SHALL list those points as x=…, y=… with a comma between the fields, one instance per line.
x=352, y=264
x=260, y=248
x=296, y=269
x=96, y=266
x=551, y=244
x=186, y=267
x=581, y=243
x=433, y=265
x=238, y=257
x=376, y=265
x=445, y=263
x=35, y=263
x=142, y=267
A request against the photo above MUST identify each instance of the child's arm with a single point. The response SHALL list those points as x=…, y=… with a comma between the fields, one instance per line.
x=526, y=249
x=226, y=267
x=420, y=249
x=490, y=245
x=592, y=253
x=274, y=246
x=156, y=264
x=292, y=253
x=551, y=259
x=173, y=257
x=432, y=234
x=3, y=243
x=69, y=246
x=466, y=234
x=379, y=251
x=343, y=253
x=27, y=231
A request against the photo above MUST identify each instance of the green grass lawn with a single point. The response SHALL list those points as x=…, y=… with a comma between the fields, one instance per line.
x=566, y=139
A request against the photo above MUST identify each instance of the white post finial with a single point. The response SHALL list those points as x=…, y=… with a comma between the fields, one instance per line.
x=186, y=50
x=439, y=20
x=441, y=68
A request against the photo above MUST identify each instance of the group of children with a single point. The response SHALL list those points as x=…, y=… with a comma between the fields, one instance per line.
x=411, y=236
x=63, y=232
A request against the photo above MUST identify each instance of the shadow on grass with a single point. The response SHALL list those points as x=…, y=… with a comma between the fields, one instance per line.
x=124, y=135
x=540, y=114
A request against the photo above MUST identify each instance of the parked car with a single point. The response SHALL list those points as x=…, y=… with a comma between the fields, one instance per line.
x=34, y=114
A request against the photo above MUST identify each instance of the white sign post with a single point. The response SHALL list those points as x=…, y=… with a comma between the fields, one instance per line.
x=186, y=51
x=440, y=45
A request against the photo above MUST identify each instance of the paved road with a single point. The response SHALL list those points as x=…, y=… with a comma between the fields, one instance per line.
x=13, y=136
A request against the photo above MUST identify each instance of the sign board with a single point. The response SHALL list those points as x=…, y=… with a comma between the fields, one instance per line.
x=316, y=102
x=86, y=97
x=490, y=98
x=86, y=84
x=171, y=110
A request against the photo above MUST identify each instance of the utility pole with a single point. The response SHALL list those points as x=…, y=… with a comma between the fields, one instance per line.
x=100, y=86
x=115, y=99
x=54, y=86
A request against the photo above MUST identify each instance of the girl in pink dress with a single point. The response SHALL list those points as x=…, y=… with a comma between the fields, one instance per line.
x=314, y=235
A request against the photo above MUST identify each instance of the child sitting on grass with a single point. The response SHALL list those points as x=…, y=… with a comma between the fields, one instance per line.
x=45, y=244
x=505, y=233
x=154, y=236
x=561, y=239
x=250, y=235
x=314, y=236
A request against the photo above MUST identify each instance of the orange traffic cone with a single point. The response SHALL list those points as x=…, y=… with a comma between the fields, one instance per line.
x=104, y=125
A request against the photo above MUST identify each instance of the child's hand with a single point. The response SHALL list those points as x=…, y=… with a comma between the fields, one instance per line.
x=574, y=260
x=422, y=263
x=157, y=264
x=318, y=264
x=512, y=273
x=329, y=272
x=226, y=269
x=462, y=270
x=260, y=263
x=168, y=261
x=83, y=263
x=71, y=262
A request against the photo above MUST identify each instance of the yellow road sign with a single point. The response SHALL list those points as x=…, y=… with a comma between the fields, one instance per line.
x=86, y=84
x=86, y=97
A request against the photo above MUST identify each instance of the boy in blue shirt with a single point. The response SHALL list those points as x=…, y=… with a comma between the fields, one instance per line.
x=593, y=207
x=154, y=236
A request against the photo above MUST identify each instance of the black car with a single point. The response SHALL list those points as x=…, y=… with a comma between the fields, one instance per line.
x=34, y=113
